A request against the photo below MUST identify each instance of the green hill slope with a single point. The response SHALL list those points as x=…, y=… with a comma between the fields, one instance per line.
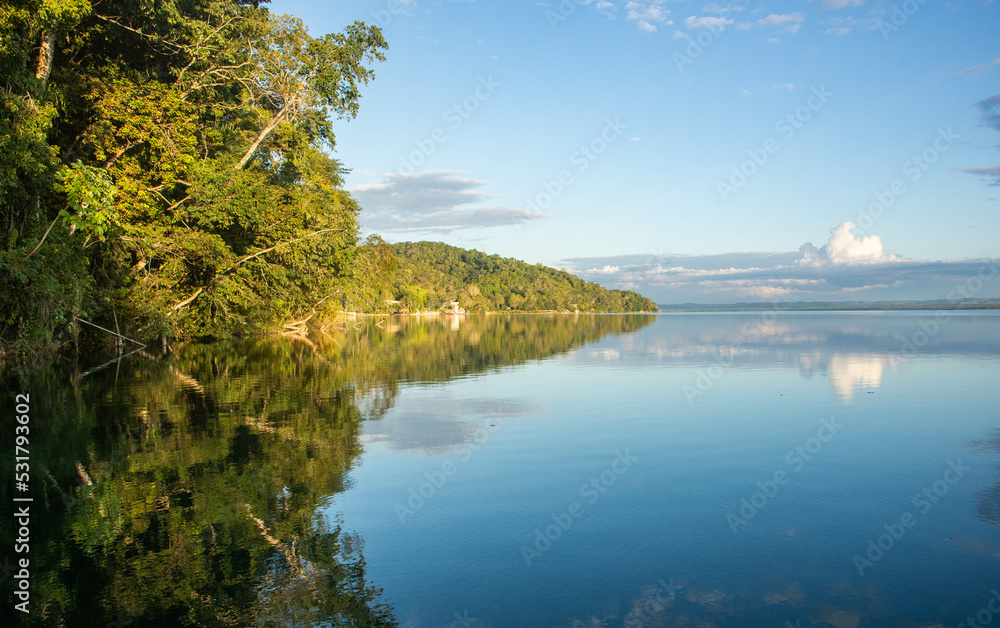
x=432, y=274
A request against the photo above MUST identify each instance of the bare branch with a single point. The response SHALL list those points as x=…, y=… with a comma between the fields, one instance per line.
x=186, y=301
x=175, y=205
x=45, y=235
x=152, y=38
x=269, y=249
x=263, y=134
x=246, y=259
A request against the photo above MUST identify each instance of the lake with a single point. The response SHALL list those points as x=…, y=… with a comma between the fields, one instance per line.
x=723, y=469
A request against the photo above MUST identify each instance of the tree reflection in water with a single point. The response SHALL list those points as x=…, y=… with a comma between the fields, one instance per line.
x=187, y=489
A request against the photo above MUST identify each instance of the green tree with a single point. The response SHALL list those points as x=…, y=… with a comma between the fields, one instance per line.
x=191, y=139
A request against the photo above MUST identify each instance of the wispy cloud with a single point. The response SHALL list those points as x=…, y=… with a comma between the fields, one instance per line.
x=979, y=68
x=831, y=5
x=778, y=22
x=778, y=19
x=786, y=22
x=709, y=22
x=648, y=14
x=724, y=9
x=989, y=113
x=844, y=24
x=989, y=172
x=438, y=201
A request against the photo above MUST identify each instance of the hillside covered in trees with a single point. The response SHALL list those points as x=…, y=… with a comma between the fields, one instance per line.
x=431, y=274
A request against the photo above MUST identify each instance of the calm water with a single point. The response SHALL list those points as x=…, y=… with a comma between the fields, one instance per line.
x=752, y=469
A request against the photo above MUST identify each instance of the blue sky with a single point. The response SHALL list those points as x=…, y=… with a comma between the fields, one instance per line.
x=689, y=150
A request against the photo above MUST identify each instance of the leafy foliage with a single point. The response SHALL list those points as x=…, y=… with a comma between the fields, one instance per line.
x=185, y=145
x=89, y=195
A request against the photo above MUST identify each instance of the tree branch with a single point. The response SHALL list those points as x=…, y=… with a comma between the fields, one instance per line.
x=247, y=259
x=186, y=301
x=263, y=134
x=152, y=38
x=45, y=235
x=175, y=205
x=269, y=249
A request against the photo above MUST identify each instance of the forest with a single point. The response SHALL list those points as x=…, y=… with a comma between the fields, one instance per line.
x=167, y=170
x=165, y=166
x=432, y=274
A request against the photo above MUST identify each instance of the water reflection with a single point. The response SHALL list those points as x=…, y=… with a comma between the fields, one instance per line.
x=189, y=489
x=848, y=372
x=854, y=351
x=989, y=501
x=442, y=425
x=677, y=603
x=696, y=462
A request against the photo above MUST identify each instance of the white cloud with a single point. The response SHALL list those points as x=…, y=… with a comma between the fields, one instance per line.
x=607, y=270
x=437, y=422
x=778, y=19
x=829, y=5
x=437, y=201
x=849, y=267
x=723, y=9
x=844, y=247
x=609, y=9
x=647, y=14
x=782, y=22
x=709, y=22
x=849, y=373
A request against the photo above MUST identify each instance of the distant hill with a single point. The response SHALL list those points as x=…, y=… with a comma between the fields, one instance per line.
x=433, y=274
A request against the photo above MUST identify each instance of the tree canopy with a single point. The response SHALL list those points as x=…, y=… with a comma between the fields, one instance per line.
x=168, y=163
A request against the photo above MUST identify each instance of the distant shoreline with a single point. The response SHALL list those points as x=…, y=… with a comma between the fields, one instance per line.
x=441, y=314
x=873, y=306
x=694, y=308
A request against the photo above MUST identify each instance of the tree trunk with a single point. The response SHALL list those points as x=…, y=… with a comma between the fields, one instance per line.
x=46, y=55
x=260, y=136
